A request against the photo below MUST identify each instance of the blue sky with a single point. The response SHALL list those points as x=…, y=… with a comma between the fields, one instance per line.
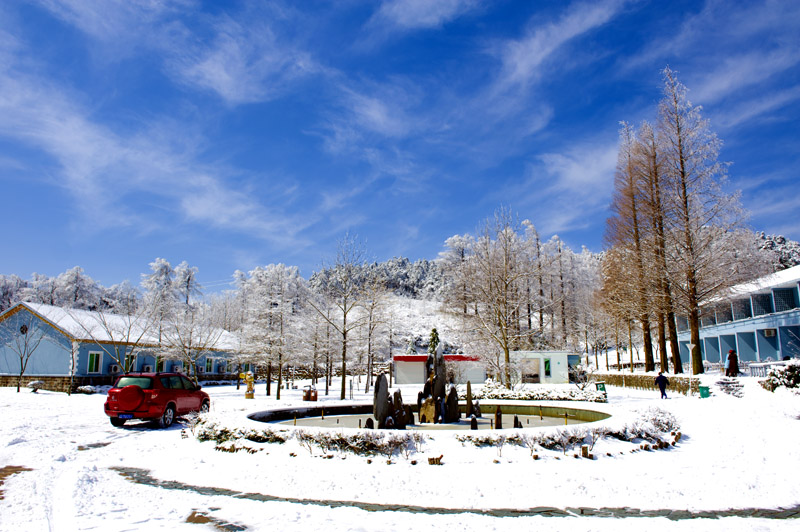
x=233, y=134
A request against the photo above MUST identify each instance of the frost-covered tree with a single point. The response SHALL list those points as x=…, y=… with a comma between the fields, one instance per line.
x=454, y=262
x=10, y=290
x=121, y=298
x=189, y=336
x=40, y=289
x=702, y=218
x=627, y=228
x=373, y=306
x=159, y=292
x=23, y=339
x=185, y=283
x=276, y=295
x=497, y=277
x=342, y=288
x=75, y=289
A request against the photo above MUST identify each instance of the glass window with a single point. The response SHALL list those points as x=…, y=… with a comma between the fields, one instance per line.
x=175, y=382
x=130, y=362
x=94, y=362
x=165, y=382
x=209, y=365
x=546, y=367
x=141, y=382
x=187, y=384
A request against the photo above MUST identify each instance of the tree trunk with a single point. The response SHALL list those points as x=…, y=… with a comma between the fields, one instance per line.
x=344, y=364
x=662, y=344
x=269, y=379
x=630, y=343
x=677, y=364
x=280, y=378
x=694, y=327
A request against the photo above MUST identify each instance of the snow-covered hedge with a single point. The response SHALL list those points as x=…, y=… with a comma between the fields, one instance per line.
x=363, y=443
x=653, y=425
x=787, y=376
x=495, y=390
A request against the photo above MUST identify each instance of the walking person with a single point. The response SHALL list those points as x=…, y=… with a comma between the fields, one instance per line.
x=662, y=383
x=732, y=364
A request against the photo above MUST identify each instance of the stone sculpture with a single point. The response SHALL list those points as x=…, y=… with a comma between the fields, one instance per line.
x=381, y=405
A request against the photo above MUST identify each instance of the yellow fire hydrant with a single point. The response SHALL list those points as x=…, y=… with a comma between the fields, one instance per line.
x=250, y=393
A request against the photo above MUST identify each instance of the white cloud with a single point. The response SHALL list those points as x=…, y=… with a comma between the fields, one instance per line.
x=243, y=63
x=740, y=71
x=755, y=107
x=413, y=14
x=381, y=112
x=104, y=168
x=522, y=59
x=564, y=189
x=719, y=31
x=240, y=57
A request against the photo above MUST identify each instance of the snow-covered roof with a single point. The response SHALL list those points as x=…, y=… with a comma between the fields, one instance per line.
x=91, y=326
x=782, y=279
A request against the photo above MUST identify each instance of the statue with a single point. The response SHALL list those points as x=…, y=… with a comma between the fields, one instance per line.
x=249, y=380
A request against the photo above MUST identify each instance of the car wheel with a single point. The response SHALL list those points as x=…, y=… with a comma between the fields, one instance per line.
x=117, y=422
x=205, y=407
x=167, y=417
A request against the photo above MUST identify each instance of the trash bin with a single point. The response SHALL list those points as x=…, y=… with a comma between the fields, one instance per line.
x=704, y=392
x=309, y=393
x=601, y=386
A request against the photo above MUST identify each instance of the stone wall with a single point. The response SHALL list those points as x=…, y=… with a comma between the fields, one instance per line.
x=682, y=384
x=57, y=383
x=62, y=383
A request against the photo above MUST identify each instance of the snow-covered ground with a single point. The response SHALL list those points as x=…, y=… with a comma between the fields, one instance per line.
x=735, y=454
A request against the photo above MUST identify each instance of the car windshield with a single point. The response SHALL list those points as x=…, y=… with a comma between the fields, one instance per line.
x=141, y=382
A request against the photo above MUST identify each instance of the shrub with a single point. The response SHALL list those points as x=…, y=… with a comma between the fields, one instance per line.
x=787, y=376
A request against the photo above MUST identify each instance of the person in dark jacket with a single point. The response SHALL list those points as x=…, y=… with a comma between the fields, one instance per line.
x=732, y=365
x=662, y=383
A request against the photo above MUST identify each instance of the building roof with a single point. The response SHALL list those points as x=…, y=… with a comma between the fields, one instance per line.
x=104, y=327
x=783, y=279
x=447, y=358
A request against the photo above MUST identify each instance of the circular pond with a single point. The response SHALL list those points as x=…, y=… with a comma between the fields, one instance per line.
x=355, y=416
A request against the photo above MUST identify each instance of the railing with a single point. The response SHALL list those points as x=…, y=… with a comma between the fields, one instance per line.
x=761, y=369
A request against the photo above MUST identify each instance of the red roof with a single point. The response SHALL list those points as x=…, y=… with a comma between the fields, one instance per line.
x=447, y=358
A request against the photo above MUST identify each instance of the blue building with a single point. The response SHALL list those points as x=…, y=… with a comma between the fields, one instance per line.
x=760, y=320
x=79, y=347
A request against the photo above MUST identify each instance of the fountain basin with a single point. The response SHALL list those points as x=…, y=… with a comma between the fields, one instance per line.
x=349, y=416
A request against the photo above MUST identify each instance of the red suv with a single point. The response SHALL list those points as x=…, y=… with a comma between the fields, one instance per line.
x=156, y=396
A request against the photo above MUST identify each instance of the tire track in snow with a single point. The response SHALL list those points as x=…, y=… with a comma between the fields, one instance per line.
x=143, y=476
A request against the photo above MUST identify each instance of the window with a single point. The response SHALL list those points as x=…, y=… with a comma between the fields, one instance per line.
x=187, y=384
x=130, y=362
x=546, y=367
x=209, y=365
x=145, y=383
x=785, y=299
x=95, y=358
x=762, y=304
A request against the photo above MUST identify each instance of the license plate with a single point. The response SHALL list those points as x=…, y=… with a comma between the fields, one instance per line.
x=125, y=416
